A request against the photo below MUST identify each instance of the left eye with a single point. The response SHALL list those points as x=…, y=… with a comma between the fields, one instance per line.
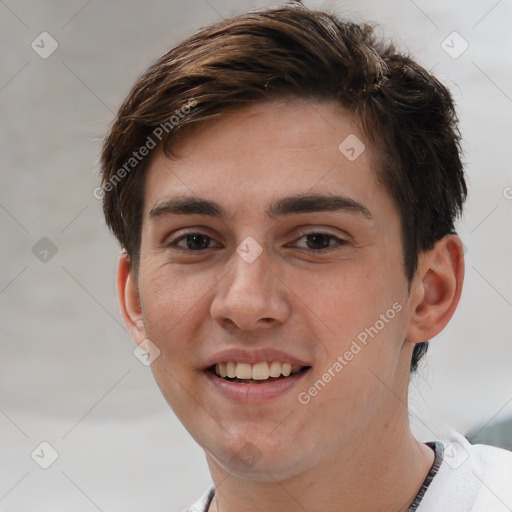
x=320, y=241
x=194, y=242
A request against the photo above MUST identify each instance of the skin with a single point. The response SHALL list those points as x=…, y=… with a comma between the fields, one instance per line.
x=347, y=448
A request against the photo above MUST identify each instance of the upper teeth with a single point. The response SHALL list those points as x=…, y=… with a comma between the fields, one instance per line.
x=258, y=371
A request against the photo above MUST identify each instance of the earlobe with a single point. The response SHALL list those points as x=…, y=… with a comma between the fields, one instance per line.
x=129, y=300
x=437, y=290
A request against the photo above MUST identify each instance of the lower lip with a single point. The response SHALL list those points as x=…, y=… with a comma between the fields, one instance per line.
x=254, y=392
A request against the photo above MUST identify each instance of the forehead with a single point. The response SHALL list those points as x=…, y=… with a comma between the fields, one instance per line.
x=249, y=158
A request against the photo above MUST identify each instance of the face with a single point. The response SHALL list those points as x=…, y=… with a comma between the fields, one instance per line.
x=272, y=282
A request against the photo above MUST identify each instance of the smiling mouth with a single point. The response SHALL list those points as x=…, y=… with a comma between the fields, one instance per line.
x=259, y=373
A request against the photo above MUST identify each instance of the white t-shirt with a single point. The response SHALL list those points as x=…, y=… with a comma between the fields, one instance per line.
x=471, y=478
x=463, y=478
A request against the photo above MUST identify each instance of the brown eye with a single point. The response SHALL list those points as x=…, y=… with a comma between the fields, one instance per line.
x=193, y=242
x=318, y=240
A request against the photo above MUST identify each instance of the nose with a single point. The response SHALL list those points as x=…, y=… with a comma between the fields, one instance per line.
x=250, y=296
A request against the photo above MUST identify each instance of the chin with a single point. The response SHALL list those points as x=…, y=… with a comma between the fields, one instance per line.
x=258, y=463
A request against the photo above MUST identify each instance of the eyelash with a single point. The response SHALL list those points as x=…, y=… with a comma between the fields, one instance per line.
x=174, y=243
x=338, y=242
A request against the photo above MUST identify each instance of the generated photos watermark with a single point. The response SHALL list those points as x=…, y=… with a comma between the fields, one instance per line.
x=151, y=142
x=361, y=341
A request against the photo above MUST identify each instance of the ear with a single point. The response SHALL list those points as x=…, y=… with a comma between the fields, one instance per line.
x=436, y=289
x=129, y=299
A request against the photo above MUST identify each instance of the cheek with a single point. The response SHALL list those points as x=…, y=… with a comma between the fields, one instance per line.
x=174, y=307
x=174, y=304
x=169, y=296
x=358, y=313
x=348, y=299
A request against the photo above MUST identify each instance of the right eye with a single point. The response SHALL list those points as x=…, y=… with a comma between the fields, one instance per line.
x=192, y=242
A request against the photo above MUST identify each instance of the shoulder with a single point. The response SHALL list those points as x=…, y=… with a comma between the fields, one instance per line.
x=474, y=478
x=493, y=468
x=203, y=503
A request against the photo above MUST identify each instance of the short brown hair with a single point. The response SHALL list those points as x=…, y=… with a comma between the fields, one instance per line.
x=292, y=51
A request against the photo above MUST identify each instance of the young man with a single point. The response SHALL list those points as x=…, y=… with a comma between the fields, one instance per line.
x=284, y=187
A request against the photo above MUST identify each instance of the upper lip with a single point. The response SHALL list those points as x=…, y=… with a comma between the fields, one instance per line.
x=239, y=355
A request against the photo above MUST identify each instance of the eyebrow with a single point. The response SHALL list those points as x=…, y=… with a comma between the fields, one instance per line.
x=305, y=203
x=188, y=206
x=316, y=203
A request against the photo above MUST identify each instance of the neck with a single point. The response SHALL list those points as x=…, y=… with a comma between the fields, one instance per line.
x=380, y=470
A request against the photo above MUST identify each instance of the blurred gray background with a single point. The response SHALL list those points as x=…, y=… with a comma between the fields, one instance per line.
x=68, y=375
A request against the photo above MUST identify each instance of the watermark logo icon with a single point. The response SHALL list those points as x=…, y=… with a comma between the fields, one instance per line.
x=44, y=250
x=146, y=352
x=249, y=249
x=351, y=147
x=455, y=455
x=44, y=45
x=454, y=45
x=44, y=455
x=249, y=455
